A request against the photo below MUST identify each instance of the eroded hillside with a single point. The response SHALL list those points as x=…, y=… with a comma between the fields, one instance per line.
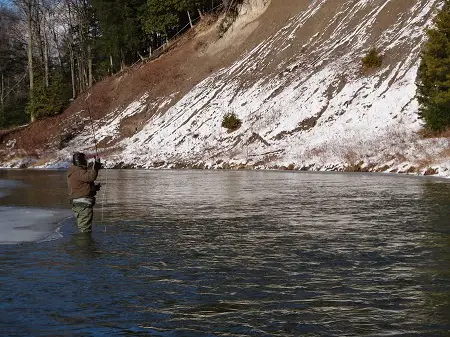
x=290, y=70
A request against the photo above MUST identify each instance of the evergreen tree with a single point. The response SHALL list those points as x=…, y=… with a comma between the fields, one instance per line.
x=434, y=74
x=49, y=101
x=121, y=36
x=160, y=17
x=167, y=16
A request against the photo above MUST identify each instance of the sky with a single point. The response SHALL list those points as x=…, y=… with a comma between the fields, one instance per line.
x=5, y=2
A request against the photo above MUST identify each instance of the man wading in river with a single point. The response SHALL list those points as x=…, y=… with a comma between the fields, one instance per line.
x=82, y=190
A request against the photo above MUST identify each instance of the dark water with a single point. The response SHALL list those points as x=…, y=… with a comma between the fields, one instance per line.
x=200, y=253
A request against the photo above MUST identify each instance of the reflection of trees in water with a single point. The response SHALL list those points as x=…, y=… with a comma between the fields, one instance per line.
x=37, y=188
x=436, y=201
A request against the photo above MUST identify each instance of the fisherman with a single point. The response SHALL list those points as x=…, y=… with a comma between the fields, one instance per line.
x=82, y=189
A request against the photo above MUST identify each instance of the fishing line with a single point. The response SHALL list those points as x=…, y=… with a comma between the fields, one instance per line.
x=104, y=197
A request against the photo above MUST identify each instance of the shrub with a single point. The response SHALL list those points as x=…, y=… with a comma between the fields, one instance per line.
x=373, y=59
x=231, y=122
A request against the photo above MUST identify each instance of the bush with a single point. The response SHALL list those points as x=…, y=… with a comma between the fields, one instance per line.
x=373, y=59
x=231, y=122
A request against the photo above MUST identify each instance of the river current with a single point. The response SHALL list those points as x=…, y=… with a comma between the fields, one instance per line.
x=226, y=253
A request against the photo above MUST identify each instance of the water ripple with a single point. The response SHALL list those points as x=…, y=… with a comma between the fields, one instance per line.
x=242, y=254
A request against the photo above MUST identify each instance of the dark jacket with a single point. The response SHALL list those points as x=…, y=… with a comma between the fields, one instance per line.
x=80, y=181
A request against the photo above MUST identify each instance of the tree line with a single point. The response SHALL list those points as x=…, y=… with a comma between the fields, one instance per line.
x=53, y=50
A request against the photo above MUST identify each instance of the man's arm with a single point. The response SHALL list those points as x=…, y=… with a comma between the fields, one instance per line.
x=88, y=176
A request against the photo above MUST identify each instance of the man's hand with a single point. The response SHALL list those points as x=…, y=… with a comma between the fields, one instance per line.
x=97, y=164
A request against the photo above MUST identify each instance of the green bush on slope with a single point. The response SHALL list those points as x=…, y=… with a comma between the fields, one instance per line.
x=373, y=59
x=231, y=122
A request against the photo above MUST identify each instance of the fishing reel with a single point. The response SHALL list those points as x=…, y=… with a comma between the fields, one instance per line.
x=95, y=188
x=98, y=165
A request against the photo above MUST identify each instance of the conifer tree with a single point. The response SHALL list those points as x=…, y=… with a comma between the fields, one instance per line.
x=121, y=32
x=433, y=79
x=167, y=16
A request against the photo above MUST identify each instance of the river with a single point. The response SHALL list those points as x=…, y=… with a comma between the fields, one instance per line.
x=226, y=253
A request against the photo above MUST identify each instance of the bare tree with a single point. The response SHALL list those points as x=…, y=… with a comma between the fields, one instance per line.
x=28, y=8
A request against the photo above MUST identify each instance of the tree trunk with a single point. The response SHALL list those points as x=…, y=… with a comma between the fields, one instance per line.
x=46, y=58
x=30, y=53
x=111, y=64
x=166, y=43
x=85, y=77
x=72, y=73
x=58, y=48
x=122, y=60
x=200, y=13
x=153, y=46
x=71, y=53
x=80, y=76
x=90, y=78
x=82, y=56
x=2, y=91
x=190, y=21
x=39, y=38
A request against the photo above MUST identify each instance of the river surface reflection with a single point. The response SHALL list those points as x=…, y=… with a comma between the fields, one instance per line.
x=232, y=253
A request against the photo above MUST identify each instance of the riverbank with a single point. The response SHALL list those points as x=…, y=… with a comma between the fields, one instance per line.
x=439, y=171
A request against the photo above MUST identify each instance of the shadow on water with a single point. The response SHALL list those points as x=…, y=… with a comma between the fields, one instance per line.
x=82, y=245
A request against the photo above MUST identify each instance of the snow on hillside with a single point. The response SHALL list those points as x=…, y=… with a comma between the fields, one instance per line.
x=302, y=98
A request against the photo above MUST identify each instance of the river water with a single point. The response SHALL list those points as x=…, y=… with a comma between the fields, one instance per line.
x=226, y=253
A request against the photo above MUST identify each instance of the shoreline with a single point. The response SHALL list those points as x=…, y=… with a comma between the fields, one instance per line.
x=368, y=173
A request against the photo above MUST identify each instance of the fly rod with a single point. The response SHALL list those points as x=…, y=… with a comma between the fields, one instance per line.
x=92, y=125
x=96, y=153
